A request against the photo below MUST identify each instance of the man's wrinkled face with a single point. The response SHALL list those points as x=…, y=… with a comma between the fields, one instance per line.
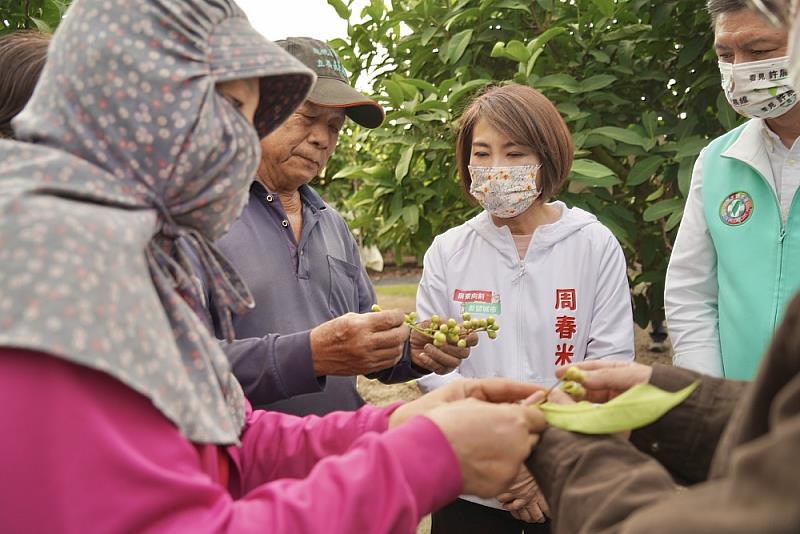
x=299, y=149
x=743, y=36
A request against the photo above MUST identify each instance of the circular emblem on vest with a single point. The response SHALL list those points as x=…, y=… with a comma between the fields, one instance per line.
x=736, y=209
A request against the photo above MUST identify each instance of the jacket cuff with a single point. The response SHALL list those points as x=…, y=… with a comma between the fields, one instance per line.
x=428, y=462
x=295, y=366
x=675, y=439
x=552, y=452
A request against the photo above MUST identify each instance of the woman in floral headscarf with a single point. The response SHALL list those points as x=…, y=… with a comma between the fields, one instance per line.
x=118, y=408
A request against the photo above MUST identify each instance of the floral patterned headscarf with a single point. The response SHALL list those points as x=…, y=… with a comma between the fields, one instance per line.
x=134, y=164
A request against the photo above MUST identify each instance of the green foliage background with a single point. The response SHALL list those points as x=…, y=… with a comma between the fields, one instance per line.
x=635, y=80
x=42, y=15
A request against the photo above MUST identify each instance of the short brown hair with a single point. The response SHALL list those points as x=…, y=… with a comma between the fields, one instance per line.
x=529, y=119
x=22, y=57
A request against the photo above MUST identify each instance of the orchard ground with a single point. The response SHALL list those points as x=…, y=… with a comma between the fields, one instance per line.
x=397, y=288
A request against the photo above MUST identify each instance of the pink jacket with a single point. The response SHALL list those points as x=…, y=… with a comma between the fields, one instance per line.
x=84, y=453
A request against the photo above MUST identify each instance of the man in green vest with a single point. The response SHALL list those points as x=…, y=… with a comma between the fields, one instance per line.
x=736, y=260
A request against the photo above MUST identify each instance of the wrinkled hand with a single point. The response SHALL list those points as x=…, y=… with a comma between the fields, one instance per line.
x=440, y=360
x=495, y=390
x=605, y=380
x=489, y=440
x=524, y=499
x=356, y=344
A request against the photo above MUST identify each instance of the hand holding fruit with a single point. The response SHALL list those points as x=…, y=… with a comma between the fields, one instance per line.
x=356, y=344
x=439, y=345
x=443, y=358
x=603, y=380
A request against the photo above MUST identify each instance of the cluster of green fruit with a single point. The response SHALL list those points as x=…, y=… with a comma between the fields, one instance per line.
x=572, y=383
x=443, y=331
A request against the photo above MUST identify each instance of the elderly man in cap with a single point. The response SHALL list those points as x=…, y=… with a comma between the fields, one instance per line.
x=299, y=350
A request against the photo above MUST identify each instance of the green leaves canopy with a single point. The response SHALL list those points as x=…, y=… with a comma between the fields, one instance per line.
x=42, y=15
x=636, y=82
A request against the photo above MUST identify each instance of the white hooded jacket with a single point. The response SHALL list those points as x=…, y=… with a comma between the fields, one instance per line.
x=567, y=301
x=573, y=274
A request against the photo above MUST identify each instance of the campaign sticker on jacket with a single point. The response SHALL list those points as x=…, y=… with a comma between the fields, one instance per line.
x=736, y=208
x=478, y=301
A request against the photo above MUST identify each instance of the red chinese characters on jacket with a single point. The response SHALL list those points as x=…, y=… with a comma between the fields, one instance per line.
x=566, y=325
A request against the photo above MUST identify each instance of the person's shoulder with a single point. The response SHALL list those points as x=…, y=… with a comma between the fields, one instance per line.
x=594, y=233
x=725, y=140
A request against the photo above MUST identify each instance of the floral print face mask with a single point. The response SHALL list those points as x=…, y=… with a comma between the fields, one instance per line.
x=505, y=192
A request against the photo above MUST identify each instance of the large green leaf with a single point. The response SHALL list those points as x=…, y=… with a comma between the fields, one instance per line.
x=640, y=406
x=599, y=181
x=606, y=6
x=643, y=170
x=691, y=146
x=403, y=163
x=341, y=8
x=564, y=82
x=591, y=169
x=625, y=135
x=662, y=209
x=594, y=83
x=725, y=113
x=458, y=43
x=462, y=90
x=395, y=92
x=514, y=49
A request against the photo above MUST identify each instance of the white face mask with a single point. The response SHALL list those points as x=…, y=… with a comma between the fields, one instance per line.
x=759, y=88
x=794, y=52
x=504, y=191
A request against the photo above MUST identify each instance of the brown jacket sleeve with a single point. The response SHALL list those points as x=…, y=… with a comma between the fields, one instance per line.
x=605, y=485
x=684, y=440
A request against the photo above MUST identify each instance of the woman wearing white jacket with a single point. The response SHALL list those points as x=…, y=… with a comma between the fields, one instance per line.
x=553, y=276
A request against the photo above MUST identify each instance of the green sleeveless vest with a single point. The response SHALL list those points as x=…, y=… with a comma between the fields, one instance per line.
x=758, y=258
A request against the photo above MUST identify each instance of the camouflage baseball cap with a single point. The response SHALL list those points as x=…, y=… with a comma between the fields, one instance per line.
x=332, y=88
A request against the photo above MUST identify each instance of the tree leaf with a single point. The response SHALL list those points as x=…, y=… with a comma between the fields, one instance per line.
x=41, y=25
x=673, y=220
x=467, y=87
x=592, y=169
x=594, y=83
x=458, y=43
x=606, y=6
x=395, y=92
x=644, y=170
x=640, y=406
x=728, y=118
x=341, y=9
x=662, y=209
x=625, y=135
x=691, y=146
x=601, y=181
x=403, y=163
x=564, y=82
x=411, y=217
